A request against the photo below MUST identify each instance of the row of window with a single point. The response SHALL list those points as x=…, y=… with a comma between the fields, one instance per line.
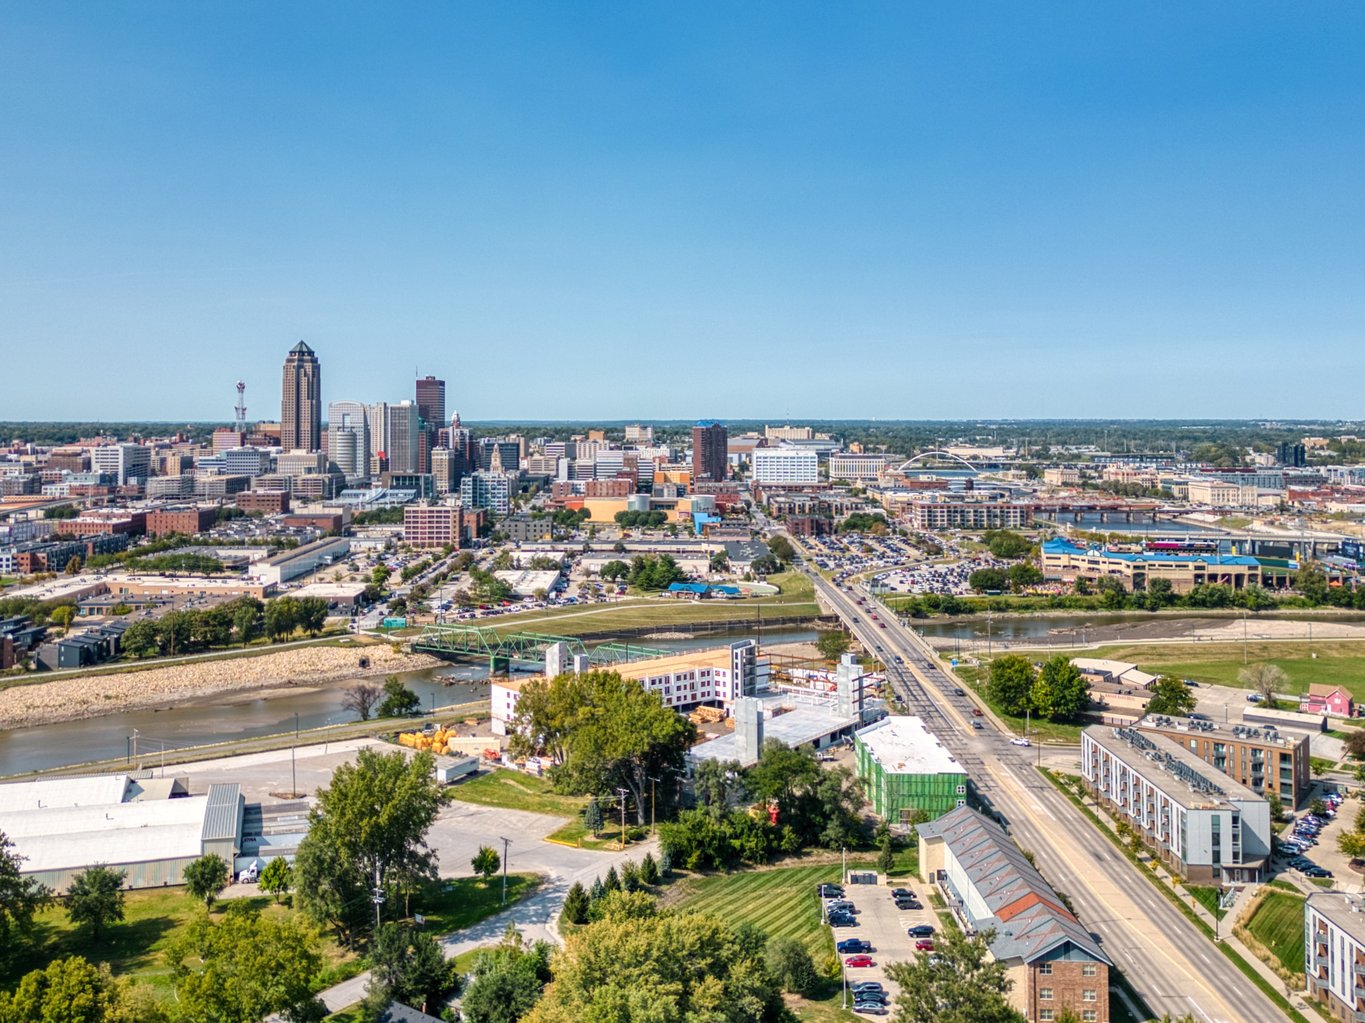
x=1088, y=995
x=1087, y=1015
x=1087, y=970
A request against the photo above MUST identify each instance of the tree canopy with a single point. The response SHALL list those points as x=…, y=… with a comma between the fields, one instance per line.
x=1009, y=684
x=20, y=898
x=1171, y=696
x=95, y=899
x=72, y=990
x=959, y=983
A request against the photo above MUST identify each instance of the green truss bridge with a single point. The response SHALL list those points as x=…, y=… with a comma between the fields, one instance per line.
x=503, y=648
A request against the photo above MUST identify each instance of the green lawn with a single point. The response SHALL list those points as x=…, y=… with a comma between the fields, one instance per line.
x=782, y=901
x=514, y=790
x=1207, y=897
x=1338, y=662
x=575, y=832
x=464, y=901
x=1278, y=925
x=1040, y=731
x=136, y=946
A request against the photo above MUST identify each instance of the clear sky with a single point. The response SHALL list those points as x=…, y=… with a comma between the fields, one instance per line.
x=672, y=210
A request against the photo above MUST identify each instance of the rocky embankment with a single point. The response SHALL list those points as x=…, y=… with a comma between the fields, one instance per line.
x=67, y=699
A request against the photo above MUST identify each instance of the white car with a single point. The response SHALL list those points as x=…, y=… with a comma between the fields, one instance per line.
x=1020, y=742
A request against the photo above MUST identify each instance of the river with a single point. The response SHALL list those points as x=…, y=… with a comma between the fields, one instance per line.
x=249, y=715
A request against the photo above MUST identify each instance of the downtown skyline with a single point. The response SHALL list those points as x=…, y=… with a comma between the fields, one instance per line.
x=899, y=213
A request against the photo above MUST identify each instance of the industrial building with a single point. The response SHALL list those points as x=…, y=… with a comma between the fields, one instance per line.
x=989, y=885
x=1065, y=561
x=1203, y=825
x=1261, y=757
x=1334, y=952
x=148, y=827
x=906, y=769
x=301, y=560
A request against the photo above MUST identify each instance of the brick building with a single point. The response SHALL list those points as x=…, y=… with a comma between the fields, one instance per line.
x=184, y=519
x=271, y=502
x=428, y=526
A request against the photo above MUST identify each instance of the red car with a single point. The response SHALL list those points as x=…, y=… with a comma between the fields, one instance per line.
x=861, y=960
x=924, y=945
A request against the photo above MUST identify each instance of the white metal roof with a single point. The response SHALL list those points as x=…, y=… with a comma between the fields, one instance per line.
x=54, y=793
x=78, y=836
x=902, y=745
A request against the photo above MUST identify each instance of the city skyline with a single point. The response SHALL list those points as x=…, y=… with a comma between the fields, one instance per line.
x=892, y=212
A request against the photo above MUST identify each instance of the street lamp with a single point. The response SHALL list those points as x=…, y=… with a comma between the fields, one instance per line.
x=506, y=842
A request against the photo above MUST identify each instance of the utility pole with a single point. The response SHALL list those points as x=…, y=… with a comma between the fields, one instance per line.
x=506, y=843
x=377, y=895
x=621, y=794
x=652, y=818
x=293, y=773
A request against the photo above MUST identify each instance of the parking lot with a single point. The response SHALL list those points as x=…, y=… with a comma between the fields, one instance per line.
x=885, y=927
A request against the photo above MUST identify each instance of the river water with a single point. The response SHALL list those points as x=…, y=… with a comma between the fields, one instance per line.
x=248, y=715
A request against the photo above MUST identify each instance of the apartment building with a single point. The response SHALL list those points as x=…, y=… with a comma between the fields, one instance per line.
x=933, y=515
x=186, y=520
x=1262, y=758
x=427, y=526
x=1334, y=953
x=989, y=885
x=844, y=465
x=905, y=768
x=1203, y=825
x=785, y=467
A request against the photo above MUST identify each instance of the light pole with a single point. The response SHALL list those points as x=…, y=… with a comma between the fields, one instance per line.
x=1244, y=636
x=621, y=794
x=506, y=843
x=293, y=773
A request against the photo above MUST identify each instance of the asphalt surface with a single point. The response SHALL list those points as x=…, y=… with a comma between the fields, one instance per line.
x=1166, y=959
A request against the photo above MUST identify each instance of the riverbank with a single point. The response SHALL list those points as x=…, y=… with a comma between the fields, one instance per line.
x=73, y=698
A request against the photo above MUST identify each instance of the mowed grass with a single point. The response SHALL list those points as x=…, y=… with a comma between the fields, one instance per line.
x=513, y=790
x=1338, y=662
x=1278, y=925
x=136, y=947
x=782, y=901
x=1039, y=730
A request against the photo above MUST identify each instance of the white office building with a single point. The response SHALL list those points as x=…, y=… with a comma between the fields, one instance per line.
x=846, y=466
x=126, y=462
x=785, y=466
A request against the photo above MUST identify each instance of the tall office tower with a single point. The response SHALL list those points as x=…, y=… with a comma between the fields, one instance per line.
x=710, y=452
x=301, y=409
x=402, y=437
x=348, y=438
x=431, y=402
x=377, y=419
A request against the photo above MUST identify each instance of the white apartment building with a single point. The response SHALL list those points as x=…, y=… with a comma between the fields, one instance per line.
x=124, y=461
x=1202, y=823
x=844, y=465
x=1334, y=952
x=785, y=466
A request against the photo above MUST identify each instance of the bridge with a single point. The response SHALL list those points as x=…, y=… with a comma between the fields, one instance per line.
x=946, y=456
x=504, y=648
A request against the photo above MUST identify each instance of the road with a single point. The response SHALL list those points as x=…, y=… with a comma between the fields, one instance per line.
x=1165, y=957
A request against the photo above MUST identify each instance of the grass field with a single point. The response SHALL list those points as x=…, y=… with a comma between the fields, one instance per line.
x=796, y=600
x=1042, y=731
x=1208, y=898
x=575, y=832
x=1278, y=925
x=782, y=901
x=514, y=790
x=1338, y=662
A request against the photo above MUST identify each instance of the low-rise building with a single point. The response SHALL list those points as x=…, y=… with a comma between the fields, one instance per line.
x=309, y=557
x=1323, y=698
x=935, y=515
x=183, y=519
x=1065, y=561
x=529, y=528
x=1202, y=824
x=1261, y=757
x=989, y=885
x=906, y=770
x=1334, y=953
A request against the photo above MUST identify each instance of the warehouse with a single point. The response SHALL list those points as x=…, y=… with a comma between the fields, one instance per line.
x=148, y=827
x=906, y=769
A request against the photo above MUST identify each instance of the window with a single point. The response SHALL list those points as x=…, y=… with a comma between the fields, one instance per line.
x=1088, y=995
x=962, y=790
x=1045, y=1014
x=1090, y=1016
x=1045, y=968
x=1045, y=994
x=1089, y=970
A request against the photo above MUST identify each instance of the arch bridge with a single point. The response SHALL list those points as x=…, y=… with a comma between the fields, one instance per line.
x=946, y=455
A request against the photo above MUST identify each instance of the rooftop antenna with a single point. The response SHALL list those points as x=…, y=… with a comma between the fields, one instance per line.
x=240, y=407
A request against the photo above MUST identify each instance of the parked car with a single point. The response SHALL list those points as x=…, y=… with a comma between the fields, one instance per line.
x=924, y=945
x=842, y=906
x=842, y=920
x=901, y=893
x=868, y=988
x=1316, y=871
x=1254, y=697
x=858, y=961
x=853, y=945
x=920, y=931
x=870, y=1008
x=830, y=891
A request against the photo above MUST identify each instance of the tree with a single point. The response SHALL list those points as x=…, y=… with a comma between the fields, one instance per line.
x=720, y=562
x=832, y=644
x=782, y=549
x=576, y=904
x=789, y=965
x=1266, y=679
x=988, y=580
x=95, y=899
x=486, y=862
x=62, y=616
x=407, y=965
x=1170, y=696
x=716, y=782
x=649, y=870
x=1355, y=743
x=399, y=700
x=612, y=882
x=507, y=983
x=206, y=877
x=614, y=570
x=1005, y=544
x=592, y=816
x=277, y=877
x=1023, y=575
x=1311, y=581
x=1010, y=684
x=886, y=855
x=312, y=614
x=281, y=616
x=361, y=698
x=1352, y=844
x=959, y=983
x=245, y=967
x=643, y=965
x=246, y=617
x=368, y=828
x=20, y=898
x=72, y=990
x=140, y=640
x=1060, y=693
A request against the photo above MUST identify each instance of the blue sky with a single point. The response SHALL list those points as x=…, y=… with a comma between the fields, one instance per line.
x=620, y=210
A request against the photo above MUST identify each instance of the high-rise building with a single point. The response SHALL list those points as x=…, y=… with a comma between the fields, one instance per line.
x=126, y=462
x=431, y=402
x=710, y=452
x=348, y=438
x=301, y=407
x=401, y=437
